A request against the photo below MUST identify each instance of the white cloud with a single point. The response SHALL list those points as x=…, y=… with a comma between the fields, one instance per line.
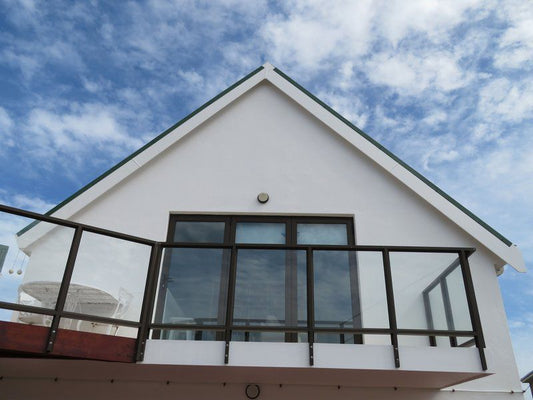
x=435, y=117
x=315, y=34
x=6, y=123
x=27, y=64
x=350, y=108
x=79, y=128
x=31, y=203
x=516, y=44
x=434, y=18
x=412, y=74
x=504, y=100
x=192, y=78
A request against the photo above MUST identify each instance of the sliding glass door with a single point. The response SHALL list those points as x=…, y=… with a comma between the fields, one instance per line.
x=270, y=275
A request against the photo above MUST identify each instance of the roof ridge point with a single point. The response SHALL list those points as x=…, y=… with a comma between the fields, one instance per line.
x=268, y=66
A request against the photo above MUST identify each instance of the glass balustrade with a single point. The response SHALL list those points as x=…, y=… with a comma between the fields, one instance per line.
x=66, y=275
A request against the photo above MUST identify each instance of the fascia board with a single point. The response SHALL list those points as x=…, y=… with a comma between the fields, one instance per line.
x=509, y=254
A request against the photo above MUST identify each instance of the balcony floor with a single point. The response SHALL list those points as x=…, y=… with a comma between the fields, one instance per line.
x=22, y=356
x=30, y=340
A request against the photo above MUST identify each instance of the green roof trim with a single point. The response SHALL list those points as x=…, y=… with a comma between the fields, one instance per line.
x=150, y=143
x=398, y=160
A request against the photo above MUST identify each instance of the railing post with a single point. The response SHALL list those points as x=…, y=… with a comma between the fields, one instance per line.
x=147, y=308
x=310, y=304
x=63, y=289
x=230, y=302
x=390, y=306
x=472, y=307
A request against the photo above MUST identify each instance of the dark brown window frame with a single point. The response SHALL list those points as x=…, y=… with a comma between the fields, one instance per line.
x=291, y=222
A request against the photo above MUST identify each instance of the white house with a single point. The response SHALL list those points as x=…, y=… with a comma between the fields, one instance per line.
x=287, y=254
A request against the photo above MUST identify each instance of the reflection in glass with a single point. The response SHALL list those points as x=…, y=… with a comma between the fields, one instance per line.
x=264, y=293
x=372, y=293
x=199, y=231
x=194, y=286
x=178, y=334
x=336, y=292
x=109, y=277
x=244, y=336
x=438, y=314
x=259, y=232
x=33, y=265
x=412, y=274
x=458, y=301
x=322, y=234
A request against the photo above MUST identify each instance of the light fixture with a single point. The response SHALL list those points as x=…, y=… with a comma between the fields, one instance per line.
x=262, y=197
x=252, y=391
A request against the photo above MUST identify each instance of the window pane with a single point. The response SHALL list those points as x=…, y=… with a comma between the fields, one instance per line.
x=322, y=234
x=191, y=288
x=266, y=286
x=258, y=232
x=199, y=231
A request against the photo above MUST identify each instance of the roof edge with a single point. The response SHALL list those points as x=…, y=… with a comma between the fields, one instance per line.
x=398, y=160
x=140, y=150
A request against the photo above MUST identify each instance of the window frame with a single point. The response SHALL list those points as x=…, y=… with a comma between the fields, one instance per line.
x=291, y=224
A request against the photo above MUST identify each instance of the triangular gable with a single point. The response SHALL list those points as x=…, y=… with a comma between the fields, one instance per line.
x=489, y=237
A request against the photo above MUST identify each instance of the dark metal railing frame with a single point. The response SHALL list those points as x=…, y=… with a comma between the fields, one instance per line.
x=145, y=323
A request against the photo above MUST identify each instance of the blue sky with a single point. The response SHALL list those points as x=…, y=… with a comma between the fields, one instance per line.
x=445, y=85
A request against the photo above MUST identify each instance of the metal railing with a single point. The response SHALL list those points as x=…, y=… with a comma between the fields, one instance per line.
x=145, y=323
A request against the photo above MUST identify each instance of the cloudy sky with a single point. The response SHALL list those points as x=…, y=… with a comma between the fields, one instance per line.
x=445, y=85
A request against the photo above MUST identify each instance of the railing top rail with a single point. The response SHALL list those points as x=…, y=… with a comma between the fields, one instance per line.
x=70, y=224
x=149, y=242
x=322, y=247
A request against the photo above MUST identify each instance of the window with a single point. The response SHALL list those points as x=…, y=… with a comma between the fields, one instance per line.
x=257, y=258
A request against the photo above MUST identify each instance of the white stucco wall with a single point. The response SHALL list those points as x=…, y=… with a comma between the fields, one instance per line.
x=264, y=142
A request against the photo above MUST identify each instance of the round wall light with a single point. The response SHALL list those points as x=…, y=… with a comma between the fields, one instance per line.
x=252, y=391
x=262, y=197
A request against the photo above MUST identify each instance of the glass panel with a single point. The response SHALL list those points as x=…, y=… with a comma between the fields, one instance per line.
x=178, y=334
x=322, y=234
x=436, y=309
x=242, y=336
x=336, y=289
x=421, y=341
x=199, y=231
x=98, y=327
x=412, y=275
x=265, y=294
x=109, y=277
x=340, y=338
x=458, y=302
x=258, y=232
x=190, y=288
x=33, y=264
x=372, y=292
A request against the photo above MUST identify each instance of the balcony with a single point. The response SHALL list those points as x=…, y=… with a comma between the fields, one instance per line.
x=377, y=315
